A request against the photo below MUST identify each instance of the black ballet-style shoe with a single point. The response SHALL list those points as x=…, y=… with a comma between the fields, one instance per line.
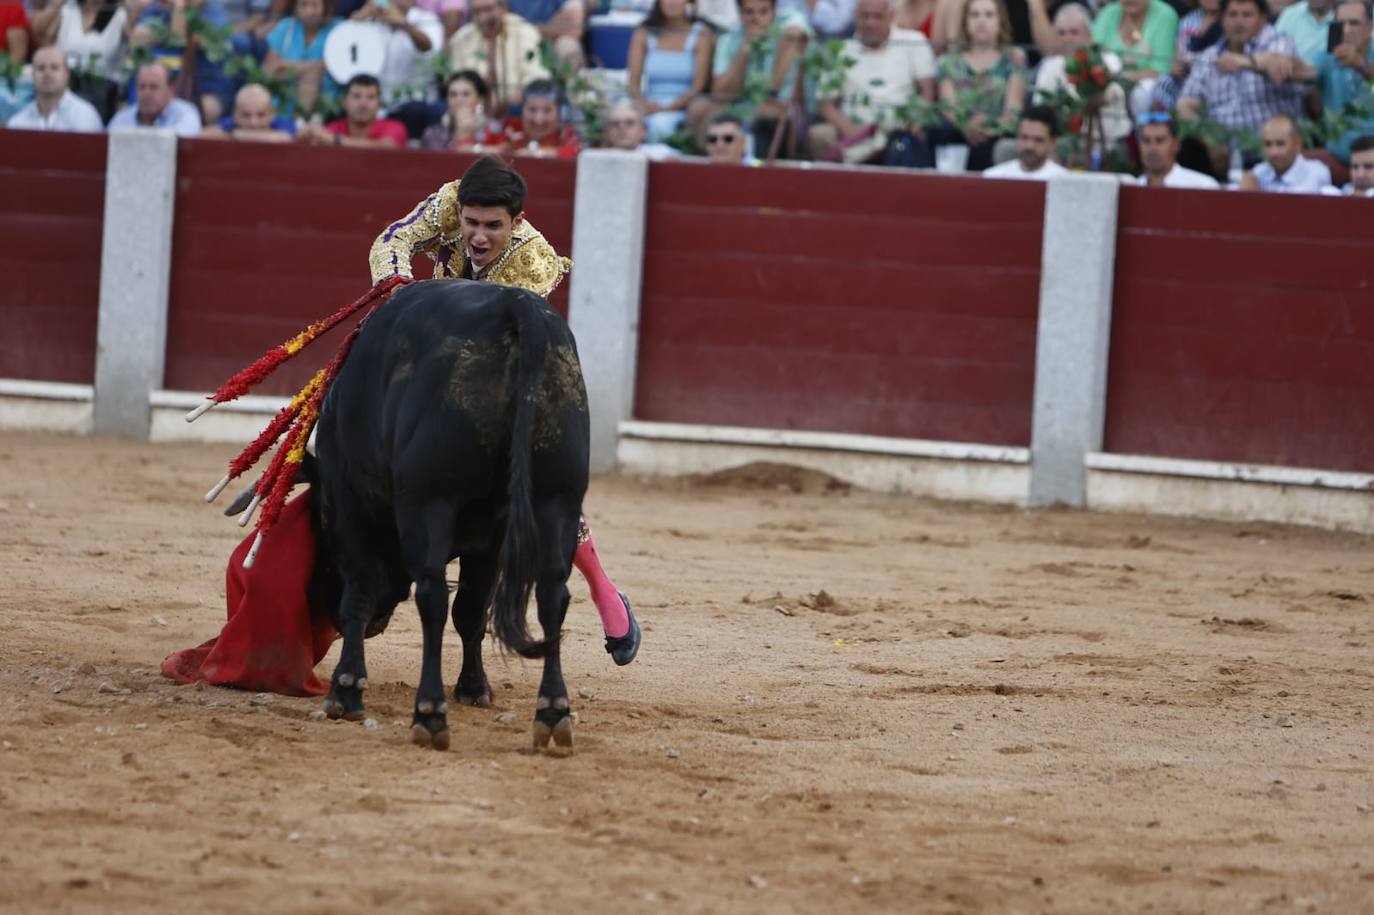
x=623, y=648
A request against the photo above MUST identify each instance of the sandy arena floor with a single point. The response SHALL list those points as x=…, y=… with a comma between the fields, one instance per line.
x=846, y=702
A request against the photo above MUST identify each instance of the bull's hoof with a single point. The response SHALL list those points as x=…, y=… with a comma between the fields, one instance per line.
x=336, y=708
x=623, y=649
x=421, y=736
x=552, y=722
x=476, y=693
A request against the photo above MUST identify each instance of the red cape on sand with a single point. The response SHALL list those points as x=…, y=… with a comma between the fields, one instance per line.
x=270, y=641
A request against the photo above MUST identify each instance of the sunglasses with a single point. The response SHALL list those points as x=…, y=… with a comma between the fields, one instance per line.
x=1153, y=117
x=622, y=122
x=714, y=138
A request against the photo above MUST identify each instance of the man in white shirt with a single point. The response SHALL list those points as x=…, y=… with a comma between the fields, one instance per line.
x=53, y=106
x=156, y=106
x=891, y=67
x=1073, y=29
x=1284, y=170
x=625, y=130
x=1035, y=134
x=1157, y=136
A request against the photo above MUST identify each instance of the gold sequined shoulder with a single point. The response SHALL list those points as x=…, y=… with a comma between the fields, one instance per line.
x=531, y=263
x=446, y=210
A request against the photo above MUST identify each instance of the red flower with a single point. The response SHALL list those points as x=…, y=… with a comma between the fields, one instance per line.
x=1081, y=57
x=1099, y=74
x=1075, y=123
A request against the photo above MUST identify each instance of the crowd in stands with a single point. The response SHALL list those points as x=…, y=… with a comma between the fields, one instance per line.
x=1224, y=92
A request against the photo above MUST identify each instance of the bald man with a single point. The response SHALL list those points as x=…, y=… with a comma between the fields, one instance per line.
x=54, y=107
x=157, y=105
x=1284, y=170
x=254, y=118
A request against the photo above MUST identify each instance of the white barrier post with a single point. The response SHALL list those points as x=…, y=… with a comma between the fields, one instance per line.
x=1077, y=267
x=135, y=271
x=608, y=264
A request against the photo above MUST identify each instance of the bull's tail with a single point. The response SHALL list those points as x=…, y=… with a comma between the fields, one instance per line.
x=519, y=561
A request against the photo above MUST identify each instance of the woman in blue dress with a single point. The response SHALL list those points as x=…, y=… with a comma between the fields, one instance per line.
x=670, y=64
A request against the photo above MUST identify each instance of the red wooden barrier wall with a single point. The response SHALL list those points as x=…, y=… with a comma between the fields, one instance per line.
x=886, y=304
x=52, y=204
x=1243, y=329
x=269, y=238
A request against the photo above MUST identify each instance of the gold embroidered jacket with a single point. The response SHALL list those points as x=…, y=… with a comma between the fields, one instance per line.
x=528, y=261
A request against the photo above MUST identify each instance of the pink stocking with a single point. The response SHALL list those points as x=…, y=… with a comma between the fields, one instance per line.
x=605, y=594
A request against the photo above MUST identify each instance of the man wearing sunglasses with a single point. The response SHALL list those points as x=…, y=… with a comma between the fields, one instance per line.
x=725, y=142
x=1157, y=136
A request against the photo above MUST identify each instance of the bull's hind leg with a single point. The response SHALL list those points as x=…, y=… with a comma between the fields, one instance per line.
x=426, y=540
x=553, y=712
x=476, y=575
x=345, y=699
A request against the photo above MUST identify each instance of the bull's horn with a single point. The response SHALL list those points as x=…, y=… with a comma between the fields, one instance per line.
x=218, y=488
x=252, y=507
x=253, y=551
x=199, y=411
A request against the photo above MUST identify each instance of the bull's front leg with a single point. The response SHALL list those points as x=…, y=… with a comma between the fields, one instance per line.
x=345, y=699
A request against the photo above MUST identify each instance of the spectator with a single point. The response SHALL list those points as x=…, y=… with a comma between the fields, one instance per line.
x=989, y=74
x=1035, y=133
x=14, y=32
x=157, y=106
x=94, y=34
x=625, y=130
x=296, y=50
x=560, y=22
x=1361, y=170
x=1030, y=25
x=763, y=51
x=1246, y=79
x=254, y=118
x=892, y=68
x=501, y=46
x=539, y=130
x=54, y=107
x=1157, y=136
x=1284, y=169
x=467, y=96
x=450, y=12
x=253, y=21
x=1307, y=23
x=669, y=65
x=360, y=125
x=726, y=143
x=1199, y=30
x=413, y=34
x=1142, y=33
x=170, y=22
x=1342, y=75
x=1073, y=30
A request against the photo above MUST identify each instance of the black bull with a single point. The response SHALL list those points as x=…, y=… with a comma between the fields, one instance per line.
x=457, y=428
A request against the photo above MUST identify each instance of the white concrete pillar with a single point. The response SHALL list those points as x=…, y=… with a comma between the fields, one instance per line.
x=1077, y=266
x=608, y=266
x=135, y=270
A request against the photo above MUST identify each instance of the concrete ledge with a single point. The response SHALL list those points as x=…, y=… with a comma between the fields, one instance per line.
x=1231, y=492
x=938, y=469
x=238, y=422
x=46, y=406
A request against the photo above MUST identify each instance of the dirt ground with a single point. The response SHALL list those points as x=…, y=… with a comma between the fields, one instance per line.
x=846, y=702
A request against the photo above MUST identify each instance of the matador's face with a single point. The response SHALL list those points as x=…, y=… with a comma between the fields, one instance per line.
x=486, y=231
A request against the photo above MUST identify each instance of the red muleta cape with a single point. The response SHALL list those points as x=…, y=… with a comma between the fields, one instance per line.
x=270, y=642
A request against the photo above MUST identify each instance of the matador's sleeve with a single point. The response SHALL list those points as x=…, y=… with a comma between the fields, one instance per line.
x=532, y=264
x=423, y=229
